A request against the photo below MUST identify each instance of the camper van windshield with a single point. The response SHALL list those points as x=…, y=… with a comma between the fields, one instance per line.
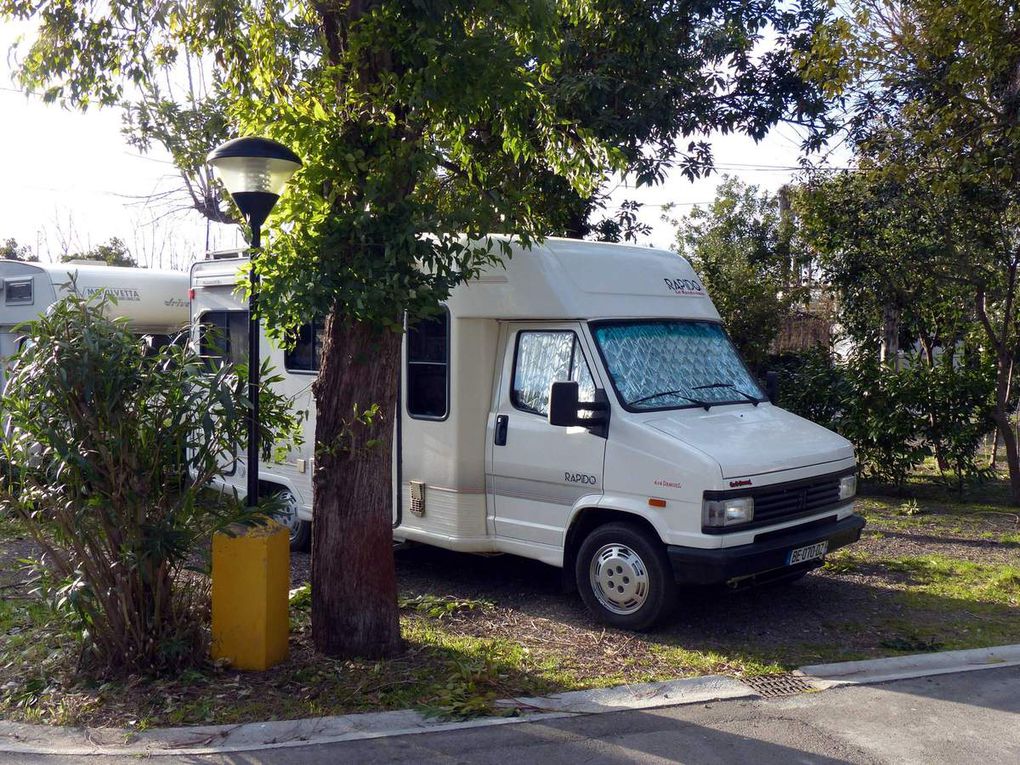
x=672, y=364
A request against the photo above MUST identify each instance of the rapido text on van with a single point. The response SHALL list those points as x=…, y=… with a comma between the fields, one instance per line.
x=584, y=406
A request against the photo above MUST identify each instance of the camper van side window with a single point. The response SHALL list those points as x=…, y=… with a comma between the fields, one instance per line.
x=544, y=357
x=18, y=292
x=428, y=365
x=304, y=355
x=224, y=336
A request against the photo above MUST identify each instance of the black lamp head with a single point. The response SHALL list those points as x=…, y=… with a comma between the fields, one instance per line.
x=254, y=171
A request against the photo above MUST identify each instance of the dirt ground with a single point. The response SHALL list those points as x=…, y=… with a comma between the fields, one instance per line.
x=772, y=624
x=516, y=630
x=13, y=573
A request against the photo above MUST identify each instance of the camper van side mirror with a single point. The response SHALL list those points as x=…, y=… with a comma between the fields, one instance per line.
x=772, y=386
x=563, y=403
x=565, y=409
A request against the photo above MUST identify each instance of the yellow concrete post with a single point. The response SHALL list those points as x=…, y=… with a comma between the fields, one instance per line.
x=250, y=583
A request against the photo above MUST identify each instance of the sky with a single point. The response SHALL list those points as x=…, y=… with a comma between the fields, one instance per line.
x=72, y=182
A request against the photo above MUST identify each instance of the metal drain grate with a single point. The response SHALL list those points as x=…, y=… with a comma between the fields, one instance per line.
x=771, y=686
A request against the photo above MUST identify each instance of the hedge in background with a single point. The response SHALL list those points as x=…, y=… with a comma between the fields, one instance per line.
x=897, y=417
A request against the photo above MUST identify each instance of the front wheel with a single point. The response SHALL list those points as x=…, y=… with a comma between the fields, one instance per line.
x=300, y=531
x=624, y=576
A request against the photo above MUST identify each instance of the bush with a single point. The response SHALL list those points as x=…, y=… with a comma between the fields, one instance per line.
x=811, y=385
x=882, y=417
x=957, y=402
x=895, y=417
x=105, y=438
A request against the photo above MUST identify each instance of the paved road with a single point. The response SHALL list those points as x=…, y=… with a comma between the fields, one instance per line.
x=971, y=717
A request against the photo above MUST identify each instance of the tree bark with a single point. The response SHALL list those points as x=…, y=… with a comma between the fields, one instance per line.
x=1002, y=344
x=995, y=445
x=1009, y=440
x=889, y=352
x=354, y=586
x=928, y=347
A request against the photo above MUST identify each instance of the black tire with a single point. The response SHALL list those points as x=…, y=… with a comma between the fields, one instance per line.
x=640, y=577
x=300, y=531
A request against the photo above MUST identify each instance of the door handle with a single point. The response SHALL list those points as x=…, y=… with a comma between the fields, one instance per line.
x=502, y=421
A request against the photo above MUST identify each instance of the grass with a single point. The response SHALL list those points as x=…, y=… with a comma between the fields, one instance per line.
x=954, y=517
x=33, y=645
x=927, y=482
x=936, y=573
x=445, y=671
x=9, y=527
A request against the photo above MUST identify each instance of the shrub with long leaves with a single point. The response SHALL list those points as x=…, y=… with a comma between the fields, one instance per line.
x=113, y=449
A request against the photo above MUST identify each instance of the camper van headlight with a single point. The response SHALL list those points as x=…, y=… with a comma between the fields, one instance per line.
x=727, y=512
x=848, y=487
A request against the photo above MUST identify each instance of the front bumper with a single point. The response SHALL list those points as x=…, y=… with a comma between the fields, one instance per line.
x=766, y=555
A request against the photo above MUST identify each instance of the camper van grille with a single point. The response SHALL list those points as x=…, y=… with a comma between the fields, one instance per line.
x=784, y=501
x=777, y=503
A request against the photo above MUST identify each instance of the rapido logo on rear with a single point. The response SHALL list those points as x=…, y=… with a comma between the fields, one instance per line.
x=690, y=287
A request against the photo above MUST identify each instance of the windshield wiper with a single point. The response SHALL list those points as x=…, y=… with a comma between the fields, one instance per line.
x=748, y=396
x=678, y=394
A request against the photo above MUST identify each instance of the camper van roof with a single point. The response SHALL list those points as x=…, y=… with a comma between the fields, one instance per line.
x=86, y=266
x=571, y=278
x=560, y=279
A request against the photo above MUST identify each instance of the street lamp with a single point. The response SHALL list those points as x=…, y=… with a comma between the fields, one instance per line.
x=254, y=172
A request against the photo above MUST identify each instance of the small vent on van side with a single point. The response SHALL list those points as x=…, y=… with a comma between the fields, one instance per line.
x=418, y=498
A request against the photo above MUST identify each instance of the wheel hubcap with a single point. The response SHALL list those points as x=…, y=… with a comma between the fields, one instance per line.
x=289, y=513
x=619, y=579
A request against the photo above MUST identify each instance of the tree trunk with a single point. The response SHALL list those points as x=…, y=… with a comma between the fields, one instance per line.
x=1004, y=346
x=928, y=347
x=889, y=352
x=1001, y=416
x=354, y=583
x=995, y=446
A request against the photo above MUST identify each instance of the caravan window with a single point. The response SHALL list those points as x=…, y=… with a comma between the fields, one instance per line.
x=18, y=292
x=306, y=351
x=224, y=336
x=428, y=368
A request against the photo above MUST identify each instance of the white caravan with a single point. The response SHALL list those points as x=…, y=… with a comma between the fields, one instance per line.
x=155, y=302
x=583, y=406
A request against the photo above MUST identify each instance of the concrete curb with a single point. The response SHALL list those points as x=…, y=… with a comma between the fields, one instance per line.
x=220, y=739
x=19, y=738
x=905, y=667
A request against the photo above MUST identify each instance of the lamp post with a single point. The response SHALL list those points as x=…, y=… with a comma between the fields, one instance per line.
x=254, y=172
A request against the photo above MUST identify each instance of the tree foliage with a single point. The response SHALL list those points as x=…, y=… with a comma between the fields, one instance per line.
x=885, y=245
x=113, y=253
x=142, y=57
x=742, y=249
x=11, y=250
x=104, y=435
x=652, y=78
x=655, y=77
x=932, y=92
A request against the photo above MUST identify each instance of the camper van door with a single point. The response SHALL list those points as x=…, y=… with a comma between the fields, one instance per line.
x=538, y=470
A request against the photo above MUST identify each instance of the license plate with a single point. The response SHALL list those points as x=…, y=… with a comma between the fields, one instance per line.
x=802, y=554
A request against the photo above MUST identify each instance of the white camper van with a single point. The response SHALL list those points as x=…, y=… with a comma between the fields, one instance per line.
x=584, y=406
x=155, y=302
